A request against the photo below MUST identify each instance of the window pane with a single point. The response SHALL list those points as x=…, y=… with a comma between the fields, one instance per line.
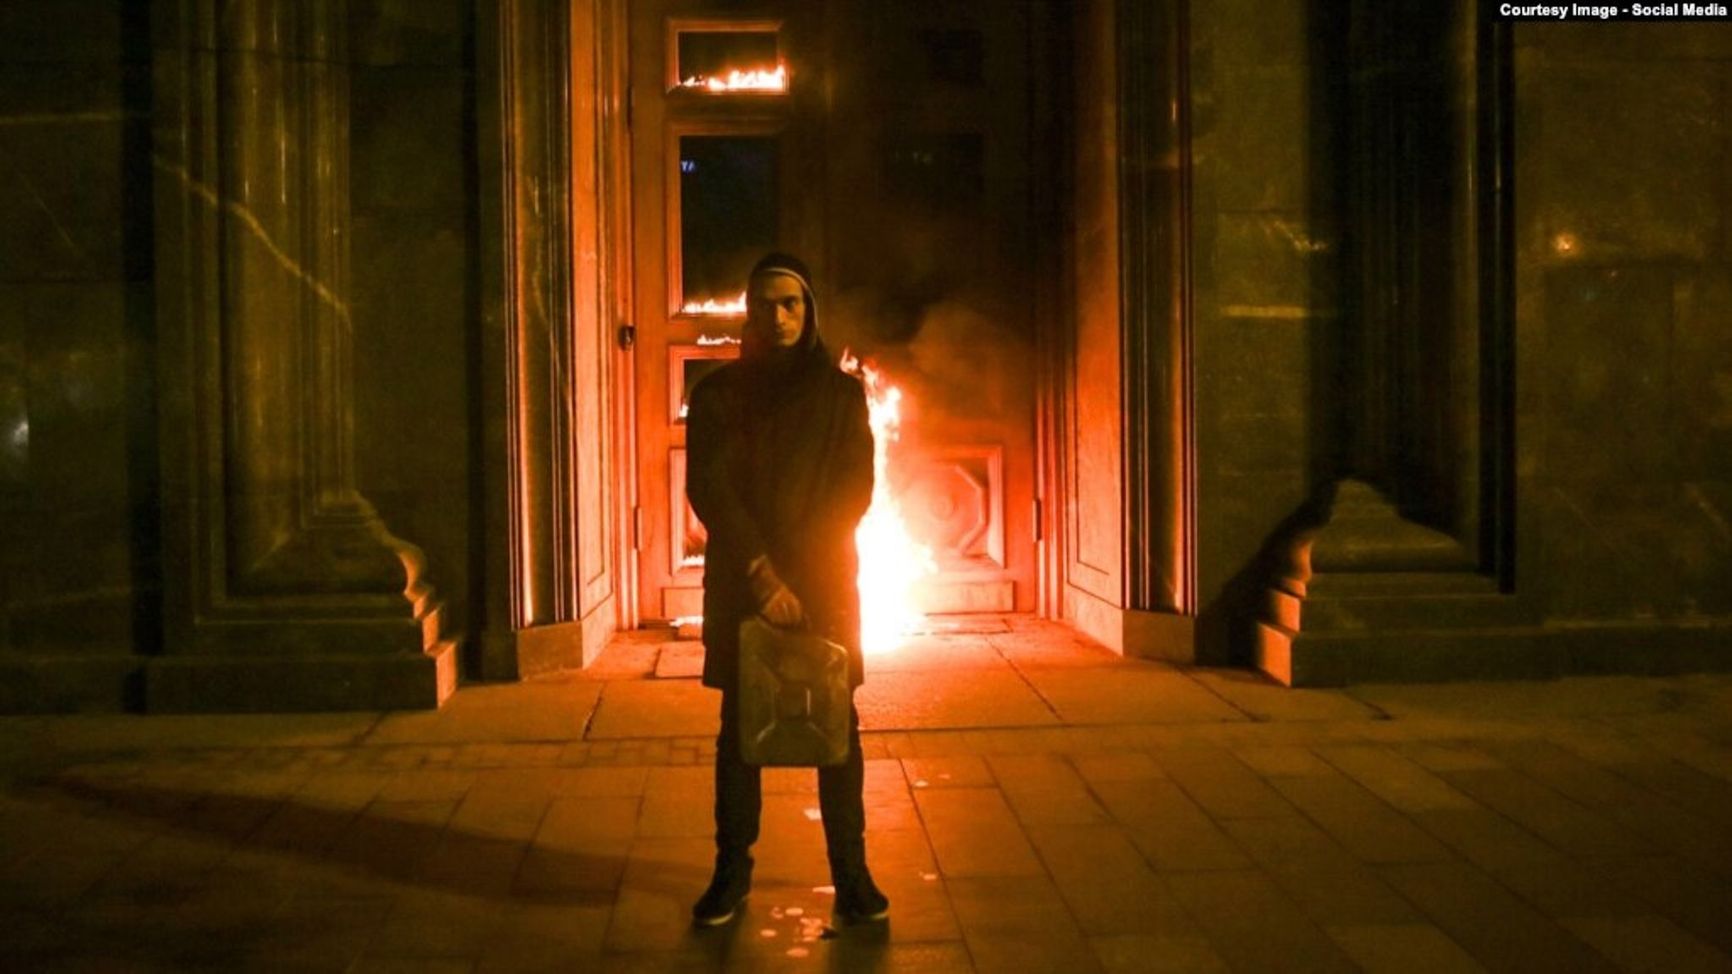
x=708, y=59
x=728, y=214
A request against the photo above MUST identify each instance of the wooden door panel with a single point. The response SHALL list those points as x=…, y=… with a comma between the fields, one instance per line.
x=710, y=197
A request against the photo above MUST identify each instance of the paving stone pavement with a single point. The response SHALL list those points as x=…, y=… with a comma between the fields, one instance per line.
x=1034, y=804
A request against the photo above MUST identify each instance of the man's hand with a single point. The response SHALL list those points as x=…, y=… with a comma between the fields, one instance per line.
x=776, y=601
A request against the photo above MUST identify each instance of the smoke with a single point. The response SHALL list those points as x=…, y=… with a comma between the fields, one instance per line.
x=963, y=360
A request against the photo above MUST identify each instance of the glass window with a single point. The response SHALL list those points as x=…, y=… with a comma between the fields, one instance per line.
x=728, y=217
x=724, y=61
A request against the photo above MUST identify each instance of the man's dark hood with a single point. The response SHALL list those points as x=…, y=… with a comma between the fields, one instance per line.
x=809, y=350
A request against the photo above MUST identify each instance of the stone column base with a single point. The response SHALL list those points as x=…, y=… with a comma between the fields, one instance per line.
x=1133, y=633
x=301, y=683
x=1532, y=652
x=70, y=683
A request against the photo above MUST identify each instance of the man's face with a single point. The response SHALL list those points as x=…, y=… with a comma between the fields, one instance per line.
x=776, y=308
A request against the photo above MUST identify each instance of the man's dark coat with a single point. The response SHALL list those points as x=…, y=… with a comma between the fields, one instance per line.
x=780, y=463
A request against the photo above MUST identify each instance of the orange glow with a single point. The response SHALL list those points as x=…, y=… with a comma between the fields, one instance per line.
x=710, y=306
x=774, y=81
x=710, y=340
x=890, y=561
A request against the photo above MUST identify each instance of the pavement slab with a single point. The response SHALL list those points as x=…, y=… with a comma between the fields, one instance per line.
x=1136, y=694
x=1170, y=830
x=1487, y=839
x=531, y=711
x=1648, y=943
x=1264, y=699
x=994, y=697
x=938, y=653
x=1045, y=789
x=1220, y=783
x=1109, y=888
x=1020, y=924
x=1367, y=827
x=654, y=708
x=974, y=833
x=1577, y=696
x=1034, y=803
x=1157, y=953
x=680, y=660
x=1494, y=925
x=1404, y=948
x=1253, y=925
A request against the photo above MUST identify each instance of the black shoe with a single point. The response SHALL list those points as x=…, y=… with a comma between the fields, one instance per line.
x=859, y=900
x=728, y=889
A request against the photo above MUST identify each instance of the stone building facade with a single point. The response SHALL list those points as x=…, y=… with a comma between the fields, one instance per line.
x=1347, y=340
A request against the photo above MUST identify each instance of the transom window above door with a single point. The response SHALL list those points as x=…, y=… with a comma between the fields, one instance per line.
x=711, y=57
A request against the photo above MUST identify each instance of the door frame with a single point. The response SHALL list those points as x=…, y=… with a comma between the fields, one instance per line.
x=552, y=565
x=661, y=115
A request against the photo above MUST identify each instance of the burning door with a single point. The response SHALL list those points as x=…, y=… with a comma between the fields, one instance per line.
x=889, y=143
x=713, y=122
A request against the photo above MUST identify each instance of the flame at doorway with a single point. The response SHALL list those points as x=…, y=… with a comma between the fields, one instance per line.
x=736, y=80
x=891, y=561
x=731, y=307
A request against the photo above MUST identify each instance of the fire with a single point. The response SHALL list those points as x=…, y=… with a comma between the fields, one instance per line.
x=776, y=80
x=711, y=306
x=890, y=561
x=712, y=340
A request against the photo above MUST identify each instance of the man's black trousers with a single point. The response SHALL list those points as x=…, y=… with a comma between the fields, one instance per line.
x=739, y=795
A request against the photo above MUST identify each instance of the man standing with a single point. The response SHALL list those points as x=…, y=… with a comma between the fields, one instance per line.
x=780, y=473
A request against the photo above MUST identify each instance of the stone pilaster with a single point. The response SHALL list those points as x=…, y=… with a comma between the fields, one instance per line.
x=1155, y=312
x=1125, y=435
x=283, y=589
x=551, y=123
x=1415, y=540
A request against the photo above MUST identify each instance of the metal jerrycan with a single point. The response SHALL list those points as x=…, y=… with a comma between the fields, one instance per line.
x=793, y=698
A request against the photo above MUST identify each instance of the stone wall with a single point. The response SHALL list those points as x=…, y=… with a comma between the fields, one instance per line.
x=1266, y=279
x=414, y=295
x=1624, y=322
x=81, y=376
x=1621, y=360
x=1622, y=165
x=77, y=423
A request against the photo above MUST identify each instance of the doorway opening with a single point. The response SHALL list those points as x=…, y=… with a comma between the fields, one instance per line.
x=910, y=153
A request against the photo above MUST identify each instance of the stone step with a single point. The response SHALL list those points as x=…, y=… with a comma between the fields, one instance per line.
x=1392, y=612
x=1400, y=583
x=1319, y=659
x=1313, y=658
x=1282, y=608
x=1274, y=654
